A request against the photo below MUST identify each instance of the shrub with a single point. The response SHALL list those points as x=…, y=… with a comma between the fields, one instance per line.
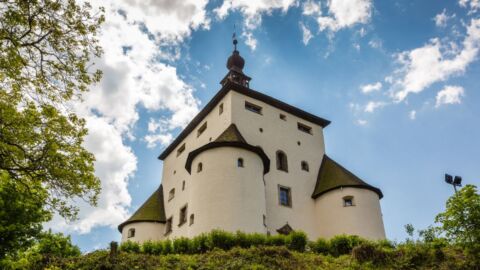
x=129, y=246
x=199, y=244
x=321, y=246
x=167, y=247
x=242, y=240
x=220, y=239
x=257, y=239
x=276, y=240
x=297, y=241
x=180, y=245
x=343, y=244
x=152, y=248
x=369, y=252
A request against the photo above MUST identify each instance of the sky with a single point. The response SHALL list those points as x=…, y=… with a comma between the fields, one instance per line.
x=398, y=79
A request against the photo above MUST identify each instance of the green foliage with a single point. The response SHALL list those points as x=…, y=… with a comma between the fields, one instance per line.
x=130, y=246
x=220, y=239
x=21, y=215
x=321, y=246
x=152, y=248
x=181, y=245
x=343, y=244
x=199, y=244
x=297, y=241
x=167, y=247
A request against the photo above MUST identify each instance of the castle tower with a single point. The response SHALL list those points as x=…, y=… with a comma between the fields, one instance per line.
x=250, y=162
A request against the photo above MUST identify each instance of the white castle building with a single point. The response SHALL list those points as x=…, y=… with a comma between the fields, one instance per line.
x=252, y=163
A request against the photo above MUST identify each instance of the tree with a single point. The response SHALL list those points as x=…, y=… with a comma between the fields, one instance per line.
x=47, y=48
x=461, y=220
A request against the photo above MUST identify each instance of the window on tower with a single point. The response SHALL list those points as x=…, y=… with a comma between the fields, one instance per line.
x=348, y=201
x=199, y=167
x=180, y=150
x=282, y=162
x=240, y=162
x=131, y=233
x=253, y=108
x=220, y=109
x=304, y=128
x=284, y=196
x=202, y=129
x=168, y=225
x=183, y=216
x=171, y=194
x=305, y=166
x=192, y=219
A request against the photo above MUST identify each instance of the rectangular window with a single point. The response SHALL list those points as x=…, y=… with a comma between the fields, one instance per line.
x=168, y=226
x=183, y=216
x=253, y=108
x=131, y=233
x=183, y=185
x=202, y=129
x=304, y=128
x=220, y=109
x=285, y=196
x=283, y=117
x=181, y=149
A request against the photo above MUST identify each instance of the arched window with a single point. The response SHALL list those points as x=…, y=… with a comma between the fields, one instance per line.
x=282, y=163
x=240, y=162
x=305, y=166
x=348, y=201
x=199, y=167
x=192, y=219
x=131, y=233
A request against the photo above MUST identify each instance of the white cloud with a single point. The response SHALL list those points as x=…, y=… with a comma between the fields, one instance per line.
x=442, y=18
x=371, y=87
x=362, y=122
x=134, y=78
x=252, y=12
x=344, y=14
x=372, y=106
x=421, y=67
x=306, y=33
x=474, y=5
x=375, y=43
x=412, y=115
x=450, y=94
x=311, y=7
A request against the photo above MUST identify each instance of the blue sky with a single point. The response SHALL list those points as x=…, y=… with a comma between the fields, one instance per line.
x=398, y=79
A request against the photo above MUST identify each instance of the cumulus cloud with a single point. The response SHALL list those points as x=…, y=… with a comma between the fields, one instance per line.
x=140, y=38
x=306, y=33
x=311, y=7
x=344, y=14
x=367, y=88
x=474, y=5
x=450, y=94
x=252, y=12
x=372, y=106
x=442, y=18
x=434, y=62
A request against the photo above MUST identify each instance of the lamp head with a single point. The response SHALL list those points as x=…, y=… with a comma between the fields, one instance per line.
x=457, y=181
x=448, y=179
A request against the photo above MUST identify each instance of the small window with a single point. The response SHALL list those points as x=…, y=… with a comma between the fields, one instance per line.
x=199, y=167
x=192, y=219
x=304, y=128
x=168, y=226
x=253, y=108
x=283, y=117
x=305, y=166
x=220, y=109
x=202, y=129
x=183, y=216
x=171, y=194
x=264, y=220
x=183, y=185
x=180, y=150
x=285, y=196
x=240, y=162
x=131, y=233
x=348, y=201
x=282, y=163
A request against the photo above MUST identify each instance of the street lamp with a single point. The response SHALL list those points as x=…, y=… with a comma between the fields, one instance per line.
x=454, y=181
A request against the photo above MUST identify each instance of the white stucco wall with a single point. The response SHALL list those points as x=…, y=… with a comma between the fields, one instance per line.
x=363, y=219
x=144, y=231
x=224, y=196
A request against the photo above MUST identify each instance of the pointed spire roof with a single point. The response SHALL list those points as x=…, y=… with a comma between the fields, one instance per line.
x=152, y=210
x=333, y=175
x=231, y=134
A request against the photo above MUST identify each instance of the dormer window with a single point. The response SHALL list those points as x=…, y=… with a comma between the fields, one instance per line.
x=202, y=129
x=304, y=128
x=180, y=150
x=253, y=108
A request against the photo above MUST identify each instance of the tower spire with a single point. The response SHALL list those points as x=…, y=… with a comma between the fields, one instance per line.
x=235, y=64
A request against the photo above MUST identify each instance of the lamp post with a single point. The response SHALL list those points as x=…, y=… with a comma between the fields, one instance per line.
x=454, y=181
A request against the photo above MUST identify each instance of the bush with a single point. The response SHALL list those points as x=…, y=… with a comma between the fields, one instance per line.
x=321, y=246
x=152, y=248
x=198, y=244
x=257, y=239
x=297, y=241
x=242, y=240
x=369, y=252
x=220, y=239
x=180, y=245
x=343, y=244
x=276, y=240
x=167, y=247
x=129, y=246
